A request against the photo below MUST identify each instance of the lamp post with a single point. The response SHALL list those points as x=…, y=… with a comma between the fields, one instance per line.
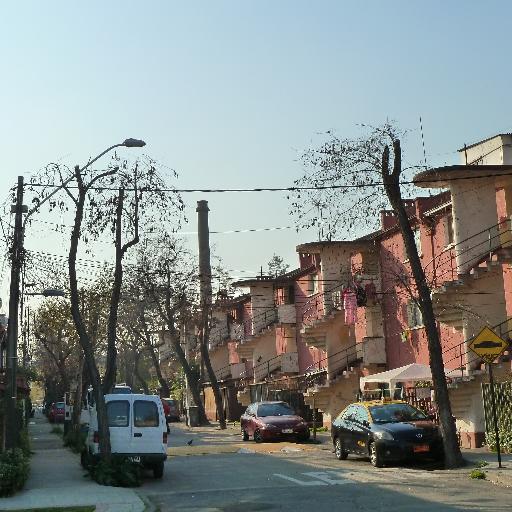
x=11, y=428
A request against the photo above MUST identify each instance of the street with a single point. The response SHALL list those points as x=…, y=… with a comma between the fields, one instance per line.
x=310, y=479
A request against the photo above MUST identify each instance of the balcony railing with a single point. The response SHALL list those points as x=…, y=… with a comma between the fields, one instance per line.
x=462, y=355
x=459, y=258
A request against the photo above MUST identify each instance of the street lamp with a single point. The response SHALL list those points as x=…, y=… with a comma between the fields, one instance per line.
x=48, y=292
x=14, y=293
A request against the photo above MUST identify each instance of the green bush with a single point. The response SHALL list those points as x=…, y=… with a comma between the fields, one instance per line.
x=24, y=443
x=482, y=464
x=75, y=440
x=14, y=470
x=478, y=474
x=57, y=430
x=505, y=440
x=120, y=471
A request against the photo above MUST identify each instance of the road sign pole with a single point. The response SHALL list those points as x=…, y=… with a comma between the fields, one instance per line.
x=494, y=416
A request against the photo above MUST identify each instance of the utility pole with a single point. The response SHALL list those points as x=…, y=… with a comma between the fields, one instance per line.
x=205, y=276
x=11, y=424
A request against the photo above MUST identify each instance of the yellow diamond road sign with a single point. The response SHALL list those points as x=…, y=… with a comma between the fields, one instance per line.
x=488, y=345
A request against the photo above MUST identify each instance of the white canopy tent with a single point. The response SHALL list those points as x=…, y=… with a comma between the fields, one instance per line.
x=414, y=372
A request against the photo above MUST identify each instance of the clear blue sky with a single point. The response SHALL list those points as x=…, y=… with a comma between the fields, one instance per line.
x=228, y=92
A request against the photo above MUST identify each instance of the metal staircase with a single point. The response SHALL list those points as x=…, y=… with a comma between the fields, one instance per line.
x=456, y=271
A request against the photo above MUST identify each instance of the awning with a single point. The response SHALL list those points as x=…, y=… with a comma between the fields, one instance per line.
x=411, y=372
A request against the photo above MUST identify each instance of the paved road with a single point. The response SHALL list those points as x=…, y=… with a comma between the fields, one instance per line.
x=313, y=480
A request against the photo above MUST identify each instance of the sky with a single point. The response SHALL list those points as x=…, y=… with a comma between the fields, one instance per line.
x=229, y=93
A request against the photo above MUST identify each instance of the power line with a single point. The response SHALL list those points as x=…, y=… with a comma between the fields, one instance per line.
x=279, y=189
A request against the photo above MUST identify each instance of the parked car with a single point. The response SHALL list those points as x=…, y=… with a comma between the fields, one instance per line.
x=266, y=421
x=385, y=431
x=171, y=409
x=56, y=412
x=121, y=389
x=137, y=430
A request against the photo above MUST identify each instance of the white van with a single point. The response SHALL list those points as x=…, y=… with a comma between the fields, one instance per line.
x=137, y=430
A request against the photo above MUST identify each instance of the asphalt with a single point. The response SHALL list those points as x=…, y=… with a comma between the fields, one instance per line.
x=57, y=479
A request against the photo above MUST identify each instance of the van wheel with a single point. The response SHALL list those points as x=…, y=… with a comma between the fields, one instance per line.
x=245, y=435
x=258, y=437
x=158, y=470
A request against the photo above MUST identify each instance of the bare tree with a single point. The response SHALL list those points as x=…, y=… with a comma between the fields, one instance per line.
x=122, y=201
x=352, y=182
x=168, y=283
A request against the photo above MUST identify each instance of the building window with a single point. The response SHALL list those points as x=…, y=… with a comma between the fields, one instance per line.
x=414, y=316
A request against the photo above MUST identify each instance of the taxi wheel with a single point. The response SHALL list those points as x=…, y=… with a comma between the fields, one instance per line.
x=257, y=436
x=339, y=452
x=245, y=435
x=375, y=456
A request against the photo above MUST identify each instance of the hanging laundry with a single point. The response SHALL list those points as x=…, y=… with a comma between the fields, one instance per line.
x=350, y=306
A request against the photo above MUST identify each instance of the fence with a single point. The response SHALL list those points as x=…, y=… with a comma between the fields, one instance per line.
x=503, y=394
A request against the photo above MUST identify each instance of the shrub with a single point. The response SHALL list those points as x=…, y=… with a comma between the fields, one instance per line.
x=505, y=440
x=478, y=474
x=482, y=464
x=24, y=443
x=14, y=470
x=75, y=440
x=57, y=430
x=120, y=471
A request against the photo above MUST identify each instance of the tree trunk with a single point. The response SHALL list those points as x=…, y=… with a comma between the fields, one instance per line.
x=85, y=341
x=136, y=372
x=219, y=402
x=453, y=457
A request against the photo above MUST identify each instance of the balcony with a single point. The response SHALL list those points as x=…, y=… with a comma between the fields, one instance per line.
x=287, y=362
x=230, y=371
x=286, y=314
x=372, y=350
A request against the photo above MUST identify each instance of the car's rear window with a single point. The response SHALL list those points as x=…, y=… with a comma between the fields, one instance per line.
x=59, y=405
x=145, y=414
x=118, y=412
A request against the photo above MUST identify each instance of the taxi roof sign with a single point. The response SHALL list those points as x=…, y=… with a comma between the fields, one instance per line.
x=488, y=345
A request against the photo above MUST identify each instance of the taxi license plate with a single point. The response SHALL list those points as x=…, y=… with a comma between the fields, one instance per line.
x=421, y=448
x=287, y=431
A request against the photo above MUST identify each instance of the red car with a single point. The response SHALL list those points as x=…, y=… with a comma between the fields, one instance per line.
x=56, y=412
x=266, y=421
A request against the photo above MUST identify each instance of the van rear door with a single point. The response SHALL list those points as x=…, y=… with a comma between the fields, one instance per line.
x=118, y=412
x=148, y=426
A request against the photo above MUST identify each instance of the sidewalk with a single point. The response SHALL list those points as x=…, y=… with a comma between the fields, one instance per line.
x=57, y=479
